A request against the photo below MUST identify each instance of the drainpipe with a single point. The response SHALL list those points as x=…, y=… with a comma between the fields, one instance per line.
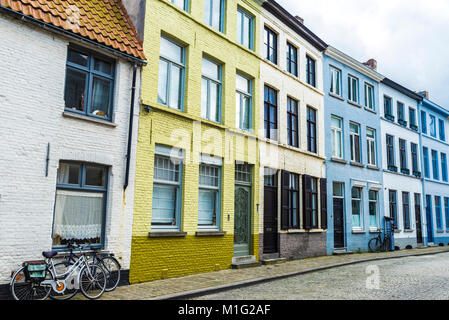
x=424, y=206
x=130, y=132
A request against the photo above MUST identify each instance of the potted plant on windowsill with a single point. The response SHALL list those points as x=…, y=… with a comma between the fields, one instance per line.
x=402, y=122
x=414, y=127
x=389, y=117
x=392, y=168
x=405, y=171
x=417, y=174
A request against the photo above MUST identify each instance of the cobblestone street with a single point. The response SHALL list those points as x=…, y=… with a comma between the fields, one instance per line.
x=420, y=278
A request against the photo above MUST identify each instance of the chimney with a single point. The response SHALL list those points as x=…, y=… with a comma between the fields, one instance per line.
x=425, y=94
x=136, y=11
x=301, y=20
x=371, y=63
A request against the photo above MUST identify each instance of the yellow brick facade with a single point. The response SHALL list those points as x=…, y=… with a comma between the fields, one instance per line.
x=161, y=257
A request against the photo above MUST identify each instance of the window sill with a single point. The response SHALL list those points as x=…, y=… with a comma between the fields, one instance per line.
x=167, y=234
x=374, y=230
x=373, y=167
x=210, y=233
x=409, y=230
x=370, y=110
x=336, y=96
x=397, y=231
x=356, y=164
x=440, y=231
x=295, y=231
x=358, y=231
x=69, y=114
x=355, y=104
x=339, y=160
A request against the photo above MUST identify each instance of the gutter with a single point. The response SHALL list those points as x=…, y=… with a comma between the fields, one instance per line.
x=130, y=128
x=61, y=31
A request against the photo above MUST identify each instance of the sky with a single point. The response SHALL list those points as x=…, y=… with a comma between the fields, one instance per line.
x=408, y=38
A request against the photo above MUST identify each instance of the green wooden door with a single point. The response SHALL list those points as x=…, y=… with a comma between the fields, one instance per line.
x=242, y=221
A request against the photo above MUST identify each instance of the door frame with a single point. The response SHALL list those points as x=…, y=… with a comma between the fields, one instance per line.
x=342, y=197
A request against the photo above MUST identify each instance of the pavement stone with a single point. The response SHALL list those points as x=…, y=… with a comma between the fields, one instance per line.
x=202, y=284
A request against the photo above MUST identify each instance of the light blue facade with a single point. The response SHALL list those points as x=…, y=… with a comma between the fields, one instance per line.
x=339, y=167
x=434, y=121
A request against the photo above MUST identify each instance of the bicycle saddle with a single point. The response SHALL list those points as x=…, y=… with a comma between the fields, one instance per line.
x=49, y=254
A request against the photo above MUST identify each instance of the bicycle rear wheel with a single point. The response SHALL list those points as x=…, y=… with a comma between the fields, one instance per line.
x=23, y=287
x=60, y=269
x=374, y=245
x=387, y=244
x=92, y=281
x=112, y=268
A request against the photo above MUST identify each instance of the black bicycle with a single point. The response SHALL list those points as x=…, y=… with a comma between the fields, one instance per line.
x=106, y=260
x=378, y=244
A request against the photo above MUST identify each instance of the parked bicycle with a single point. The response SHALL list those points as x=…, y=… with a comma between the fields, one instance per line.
x=378, y=243
x=106, y=260
x=37, y=280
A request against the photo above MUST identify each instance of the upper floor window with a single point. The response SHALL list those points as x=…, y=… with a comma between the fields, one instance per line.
x=171, y=74
x=311, y=71
x=412, y=119
x=390, y=152
x=244, y=102
x=371, y=146
x=271, y=45
x=353, y=89
x=311, y=130
x=369, y=96
x=403, y=155
x=401, y=113
x=335, y=81
x=271, y=113
x=214, y=13
x=354, y=136
x=444, y=167
x=414, y=151
x=183, y=4
x=292, y=59
x=388, y=108
x=436, y=174
x=442, y=130
x=425, y=152
x=337, y=137
x=89, y=84
x=433, y=126
x=245, y=28
x=211, y=90
x=424, y=122
x=292, y=122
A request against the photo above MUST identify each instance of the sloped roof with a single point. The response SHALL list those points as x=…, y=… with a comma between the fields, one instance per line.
x=102, y=21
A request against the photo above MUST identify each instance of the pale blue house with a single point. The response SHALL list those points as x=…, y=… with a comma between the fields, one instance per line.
x=353, y=153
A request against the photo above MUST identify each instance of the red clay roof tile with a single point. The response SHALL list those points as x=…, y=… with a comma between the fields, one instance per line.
x=103, y=21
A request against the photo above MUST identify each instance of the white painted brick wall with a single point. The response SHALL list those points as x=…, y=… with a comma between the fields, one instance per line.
x=32, y=77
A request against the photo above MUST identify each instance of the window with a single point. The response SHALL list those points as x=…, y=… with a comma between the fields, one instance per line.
x=414, y=150
x=390, y=153
x=335, y=81
x=244, y=103
x=214, y=14
x=436, y=174
x=424, y=122
x=311, y=71
x=369, y=96
x=243, y=173
x=311, y=130
x=373, y=208
x=290, y=200
x=80, y=207
x=209, y=193
x=446, y=210
x=271, y=113
x=401, y=113
x=337, y=137
x=89, y=84
x=211, y=91
x=393, y=207
x=271, y=45
x=388, y=108
x=432, y=126
x=354, y=136
x=167, y=184
x=183, y=4
x=292, y=59
x=426, y=162
x=442, y=130
x=403, y=156
x=412, y=119
x=371, y=146
x=292, y=122
x=443, y=167
x=171, y=74
x=314, y=194
x=353, y=89
x=270, y=177
x=357, y=207
x=245, y=29
x=310, y=202
x=406, y=210
x=438, y=213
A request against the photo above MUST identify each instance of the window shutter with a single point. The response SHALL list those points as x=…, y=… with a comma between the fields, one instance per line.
x=307, y=201
x=284, y=201
x=323, y=195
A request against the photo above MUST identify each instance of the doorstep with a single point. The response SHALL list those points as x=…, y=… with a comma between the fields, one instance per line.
x=341, y=251
x=244, y=262
x=273, y=261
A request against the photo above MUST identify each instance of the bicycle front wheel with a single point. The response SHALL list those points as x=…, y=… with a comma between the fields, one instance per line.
x=112, y=268
x=23, y=287
x=374, y=245
x=92, y=281
x=60, y=269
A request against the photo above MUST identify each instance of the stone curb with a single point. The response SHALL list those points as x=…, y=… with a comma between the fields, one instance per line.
x=247, y=283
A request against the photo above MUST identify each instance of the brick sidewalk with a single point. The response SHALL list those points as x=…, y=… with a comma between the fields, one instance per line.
x=187, y=286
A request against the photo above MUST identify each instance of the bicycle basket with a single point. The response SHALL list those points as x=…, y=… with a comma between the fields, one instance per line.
x=35, y=269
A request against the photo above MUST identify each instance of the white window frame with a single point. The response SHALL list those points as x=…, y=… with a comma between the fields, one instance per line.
x=335, y=75
x=353, y=97
x=371, y=146
x=240, y=97
x=352, y=137
x=369, y=103
x=337, y=131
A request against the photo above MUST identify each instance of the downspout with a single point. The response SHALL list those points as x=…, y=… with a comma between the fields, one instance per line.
x=424, y=206
x=130, y=129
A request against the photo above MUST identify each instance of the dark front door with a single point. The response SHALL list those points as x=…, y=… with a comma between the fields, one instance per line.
x=419, y=238
x=270, y=225
x=339, y=229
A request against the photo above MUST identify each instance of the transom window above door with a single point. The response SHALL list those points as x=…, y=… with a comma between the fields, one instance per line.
x=89, y=84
